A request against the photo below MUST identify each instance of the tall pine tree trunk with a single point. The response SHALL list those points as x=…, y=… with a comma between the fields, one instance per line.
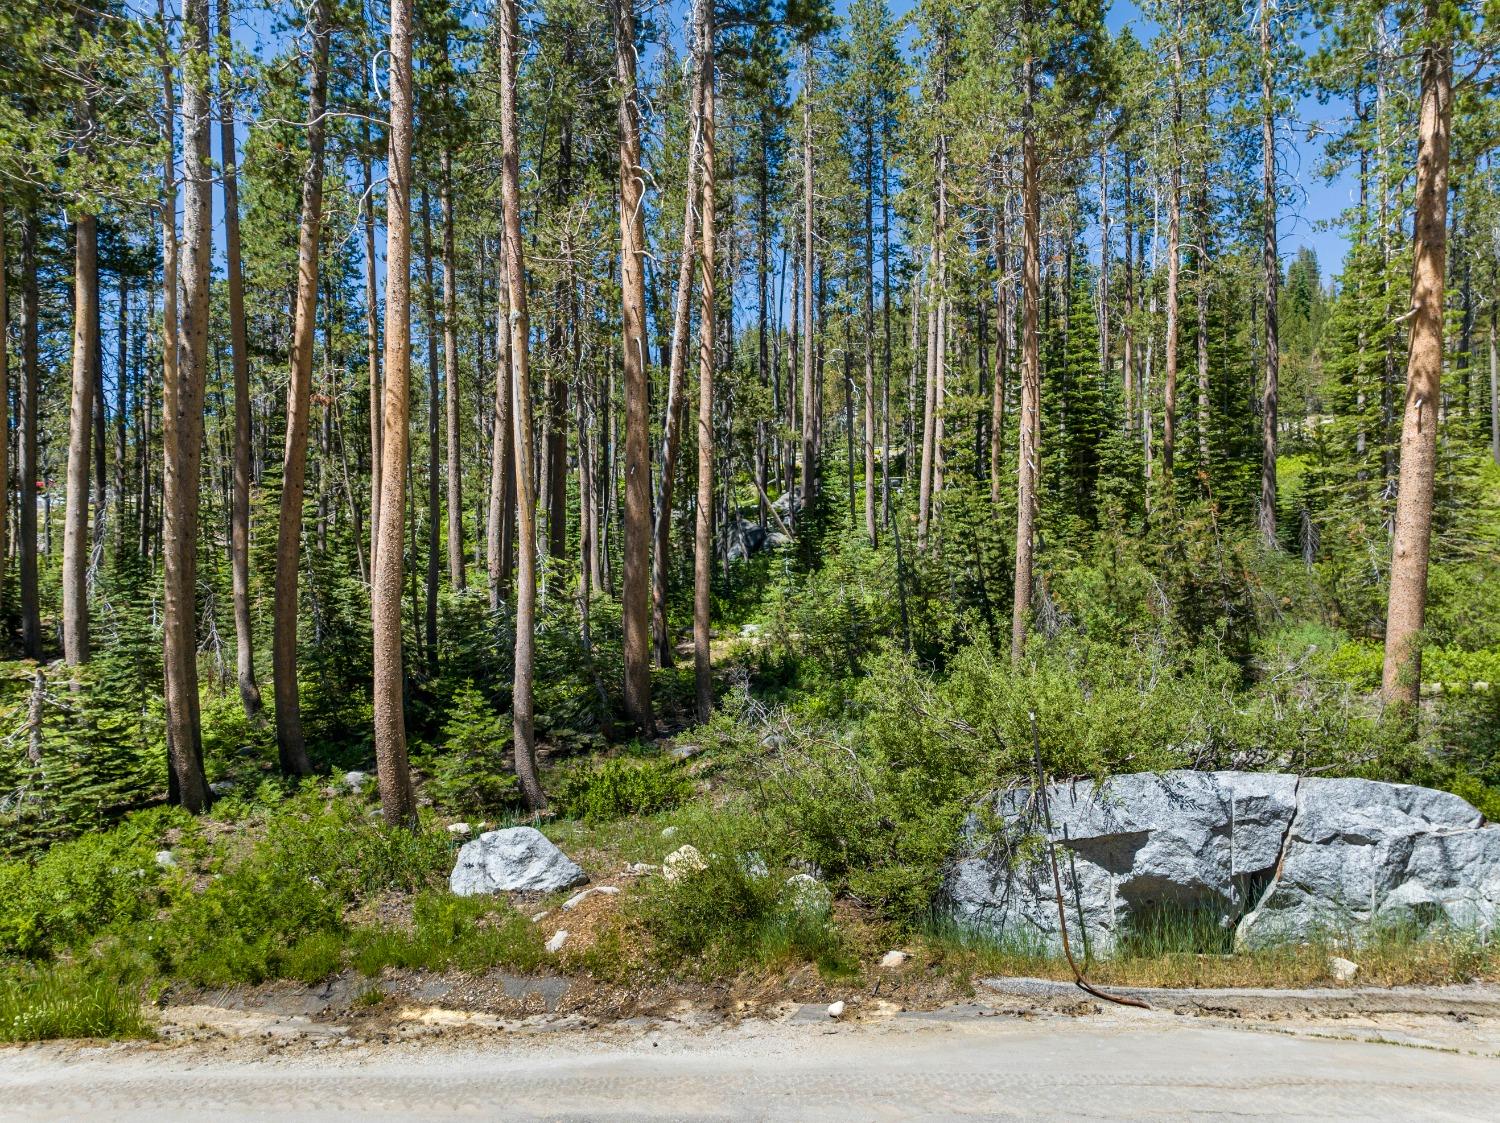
x=1174, y=231
x=1271, y=266
x=456, y=575
x=397, y=799
x=76, y=543
x=31, y=618
x=239, y=512
x=291, y=746
x=1028, y=458
x=434, y=490
x=677, y=361
x=502, y=498
x=703, y=538
x=522, y=701
x=1402, y=678
x=809, y=433
x=635, y=595
x=182, y=429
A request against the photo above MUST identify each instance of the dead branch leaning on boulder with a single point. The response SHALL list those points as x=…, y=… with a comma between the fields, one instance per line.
x=1062, y=918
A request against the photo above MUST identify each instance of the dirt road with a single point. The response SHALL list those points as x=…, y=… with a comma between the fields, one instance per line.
x=1114, y=1066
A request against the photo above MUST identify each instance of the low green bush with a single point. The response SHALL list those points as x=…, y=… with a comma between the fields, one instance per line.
x=81, y=887
x=619, y=787
x=469, y=933
x=38, y=1003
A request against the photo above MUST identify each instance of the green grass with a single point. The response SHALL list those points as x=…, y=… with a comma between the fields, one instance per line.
x=447, y=932
x=39, y=1003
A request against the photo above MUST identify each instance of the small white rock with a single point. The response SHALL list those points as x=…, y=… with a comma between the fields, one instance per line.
x=166, y=859
x=458, y=828
x=640, y=869
x=894, y=958
x=683, y=861
x=1343, y=970
x=578, y=898
x=538, y=917
x=669, y=832
x=559, y=938
x=836, y=1009
x=354, y=781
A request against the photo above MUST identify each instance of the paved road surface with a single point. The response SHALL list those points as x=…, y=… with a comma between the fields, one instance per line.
x=985, y=1068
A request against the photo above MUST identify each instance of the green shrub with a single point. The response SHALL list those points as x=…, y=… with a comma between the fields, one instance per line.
x=735, y=913
x=470, y=933
x=471, y=775
x=37, y=1004
x=620, y=787
x=81, y=887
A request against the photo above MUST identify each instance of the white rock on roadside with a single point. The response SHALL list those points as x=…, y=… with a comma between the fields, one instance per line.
x=807, y=894
x=681, y=862
x=836, y=1009
x=578, y=898
x=894, y=958
x=1343, y=970
x=514, y=859
x=559, y=938
x=458, y=828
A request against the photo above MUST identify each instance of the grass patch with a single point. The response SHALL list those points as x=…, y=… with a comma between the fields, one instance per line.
x=62, y=1000
x=467, y=933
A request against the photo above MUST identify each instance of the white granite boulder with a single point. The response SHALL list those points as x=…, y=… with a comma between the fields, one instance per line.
x=518, y=858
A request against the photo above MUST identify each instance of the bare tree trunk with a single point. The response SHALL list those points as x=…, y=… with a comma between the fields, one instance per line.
x=5, y=397
x=1174, y=228
x=809, y=434
x=397, y=799
x=182, y=433
x=1271, y=263
x=1028, y=458
x=520, y=392
x=429, y=300
x=31, y=619
x=1402, y=678
x=457, y=578
x=290, y=743
x=1128, y=329
x=672, y=419
x=372, y=347
x=502, y=451
x=239, y=513
x=76, y=544
x=703, y=539
x=929, y=402
x=1001, y=252
x=869, y=326
x=636, y=592
x=1494, y=381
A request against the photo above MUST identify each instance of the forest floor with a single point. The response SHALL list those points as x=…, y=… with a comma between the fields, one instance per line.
x=1013, y=1049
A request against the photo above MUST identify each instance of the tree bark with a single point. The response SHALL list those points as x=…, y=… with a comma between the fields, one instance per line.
x=76, y=541
x=457, y=577
x=182, y=429
x=1271, y=264
x=434, y=403
x=291, y=746
x=372, y=344
x=703, y=538
x=677, y=361
x=1174, y=227
x=520, y=392
x=239, y=511
x=502, y=497
x=809, y=436
x=636, y=591
x=1028, y=458
x=31, y=618
x=397, y=800
x=1402, y=678
x=5, y=399
x=869, y=330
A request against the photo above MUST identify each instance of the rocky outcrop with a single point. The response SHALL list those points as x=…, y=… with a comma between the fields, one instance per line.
x=519, y=858
x=1255, y=858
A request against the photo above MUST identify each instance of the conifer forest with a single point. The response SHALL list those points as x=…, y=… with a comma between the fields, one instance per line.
x=791, y=420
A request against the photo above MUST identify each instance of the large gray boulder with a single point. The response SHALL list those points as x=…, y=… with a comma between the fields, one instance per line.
x=1253, y=857
x=518, y=858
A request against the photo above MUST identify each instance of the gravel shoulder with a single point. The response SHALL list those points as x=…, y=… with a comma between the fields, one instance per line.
x=1000, y=1055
